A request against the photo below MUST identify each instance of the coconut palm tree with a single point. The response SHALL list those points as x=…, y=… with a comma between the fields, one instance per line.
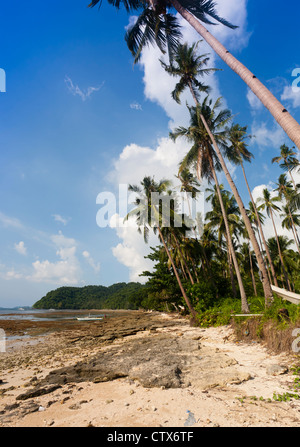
x=269, y=204
x=254, y=216
x=287, y=161
x=289, y=221
x=148, y=214
x=186, y=64
x=237, y=153
x=215, y=219
x=203, y=155
x=289, y=255
x=286, y=192
x=158, y=25
x=248, y=262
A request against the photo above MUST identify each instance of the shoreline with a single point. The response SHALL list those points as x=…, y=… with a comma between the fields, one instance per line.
x=144, y=370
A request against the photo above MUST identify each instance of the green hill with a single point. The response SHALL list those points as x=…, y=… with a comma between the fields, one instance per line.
x=117, y=296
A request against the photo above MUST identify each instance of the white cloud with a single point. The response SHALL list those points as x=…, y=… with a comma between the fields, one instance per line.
x=95, y=266
x=292, y=95
x=254, y=102
x=135, y=162
x=59, y=218
x=267, y=137
x=135, y=106
x=20, y=248
x=8, y=221
x=11, y=275
x=75, y=90
x=132, y=248
x=64, y=271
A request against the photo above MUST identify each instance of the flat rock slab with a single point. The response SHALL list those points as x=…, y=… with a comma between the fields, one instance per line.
x=162, y=360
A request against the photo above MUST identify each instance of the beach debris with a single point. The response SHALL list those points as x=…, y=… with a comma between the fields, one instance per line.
x=190, y=419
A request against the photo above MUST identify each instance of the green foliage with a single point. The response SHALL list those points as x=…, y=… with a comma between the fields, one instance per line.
x=116, y=296
x=201, y=295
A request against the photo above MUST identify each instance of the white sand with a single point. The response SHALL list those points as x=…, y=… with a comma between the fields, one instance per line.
x=125, y=403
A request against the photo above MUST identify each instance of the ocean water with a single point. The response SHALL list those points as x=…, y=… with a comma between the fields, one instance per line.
x=46, y=314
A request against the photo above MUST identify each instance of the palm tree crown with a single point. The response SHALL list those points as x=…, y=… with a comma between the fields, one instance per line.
x=188, y=66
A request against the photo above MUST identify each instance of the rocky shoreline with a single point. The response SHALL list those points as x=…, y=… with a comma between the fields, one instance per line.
x=143, y=369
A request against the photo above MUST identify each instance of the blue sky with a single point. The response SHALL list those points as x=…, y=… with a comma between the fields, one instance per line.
x=78, y=119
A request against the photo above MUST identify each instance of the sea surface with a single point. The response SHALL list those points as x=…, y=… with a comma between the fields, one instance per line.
x=48, y=314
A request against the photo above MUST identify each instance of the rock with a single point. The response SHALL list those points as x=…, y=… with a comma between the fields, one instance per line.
x=37, y=392
x=74, y=407
x=31, y=407
x=276, y=370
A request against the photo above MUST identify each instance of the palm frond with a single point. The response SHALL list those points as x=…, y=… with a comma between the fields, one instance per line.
x=151, y=28
x=129, y=5
x=205, y=11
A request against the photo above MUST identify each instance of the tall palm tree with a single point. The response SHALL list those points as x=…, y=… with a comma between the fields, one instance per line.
x=189, y=185
x=186, y=64
x=158, y=25
x=255, y=216
x=287, y=161
x=286, y=192
x=248, y=261
x=189, y=67
x=215, y=219
x=289, y=255
x=148, y=215
x=203, y=154
x=237, y=153
x=269, y=204
x=289, y=221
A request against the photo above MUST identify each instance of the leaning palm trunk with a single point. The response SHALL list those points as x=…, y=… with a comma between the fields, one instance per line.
x=245, y=306
x=281, y=115
x=186, y=299
x=260, y=228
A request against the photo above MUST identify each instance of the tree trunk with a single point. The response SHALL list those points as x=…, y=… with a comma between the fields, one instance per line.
x=279, y=252
x=229, y=259
x=252, y=273
x=245, y=306
x=260, y=228
x=294, y=229
x=183, y=259
x=290, y=172
x=281, y=115
x=186, y=299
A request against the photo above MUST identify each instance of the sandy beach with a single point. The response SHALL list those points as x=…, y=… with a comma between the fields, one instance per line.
x=142, y=369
